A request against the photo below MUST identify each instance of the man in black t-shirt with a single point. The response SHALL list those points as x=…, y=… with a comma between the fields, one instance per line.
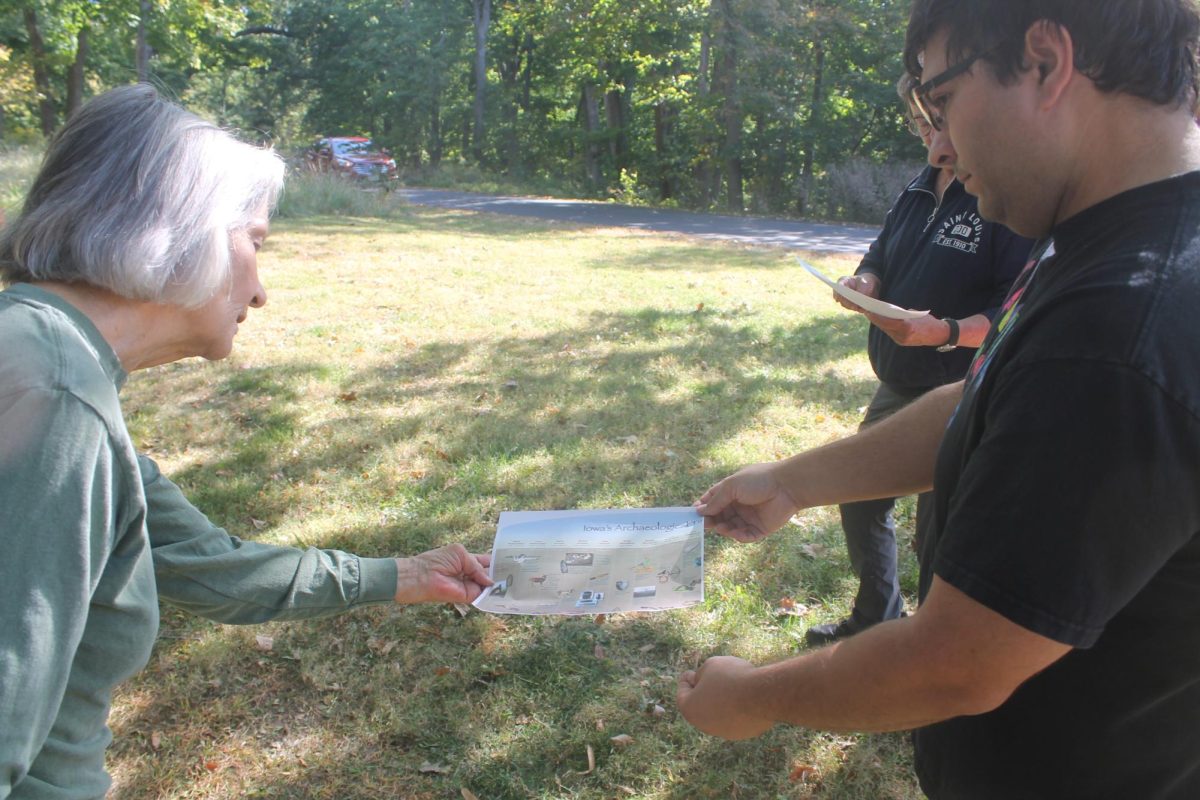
x=1056, y=651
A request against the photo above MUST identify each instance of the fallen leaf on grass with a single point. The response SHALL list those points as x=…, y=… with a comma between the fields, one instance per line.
x=264, y=642
x=801, y=773
x=156, y=740
x=600, y=725
x=813, y=550
x=622, y=740
x=381, y=648
x=599, y=651
x=258, y=523
x=626, y=789
x=468, y=794
x=440, y=671
x=655, y=710
x=599, y=620
x=348, y=397
x=790, y=608
x=428, y=766
x=211, y=766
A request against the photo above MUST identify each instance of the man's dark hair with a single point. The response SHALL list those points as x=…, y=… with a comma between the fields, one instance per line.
x=1144, y=48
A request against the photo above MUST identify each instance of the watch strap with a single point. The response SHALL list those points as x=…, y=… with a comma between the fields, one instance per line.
x=952, y=342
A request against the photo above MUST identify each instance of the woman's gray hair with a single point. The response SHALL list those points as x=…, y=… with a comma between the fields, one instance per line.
x=905, y=86
x=138, y=196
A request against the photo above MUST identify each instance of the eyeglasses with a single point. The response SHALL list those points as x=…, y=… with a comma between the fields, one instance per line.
x=920, y=94
x=917, y=125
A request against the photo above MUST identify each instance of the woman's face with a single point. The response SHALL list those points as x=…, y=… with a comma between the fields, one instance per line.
x=216, y=322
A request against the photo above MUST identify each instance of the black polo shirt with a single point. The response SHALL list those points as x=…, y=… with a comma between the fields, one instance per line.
x=942, y=258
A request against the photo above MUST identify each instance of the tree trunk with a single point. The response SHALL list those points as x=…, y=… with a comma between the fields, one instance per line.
x=465, y=132
x=704, y=170
x=483, y=18
x=591, y=126
x=814, y=120
x=614, y=117
x=41, y=73
x=527, y=78
x=435, y=131
x=437, y=143
x=143, y=48
x=663, y=118
x=731, y=110
x=509, y=67
x=75, y=76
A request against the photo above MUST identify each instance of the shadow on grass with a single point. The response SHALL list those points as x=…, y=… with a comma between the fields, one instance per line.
x=512, y=706
x=505, y=723
x=679, y=384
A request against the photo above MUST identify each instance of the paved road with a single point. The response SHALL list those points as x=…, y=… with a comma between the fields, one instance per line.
x=780, y=233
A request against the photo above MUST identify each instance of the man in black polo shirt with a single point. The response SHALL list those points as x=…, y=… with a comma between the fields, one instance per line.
x=935, y=253
x=1056, y=651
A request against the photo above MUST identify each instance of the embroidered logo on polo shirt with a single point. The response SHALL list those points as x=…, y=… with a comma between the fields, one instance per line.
x=962, y=232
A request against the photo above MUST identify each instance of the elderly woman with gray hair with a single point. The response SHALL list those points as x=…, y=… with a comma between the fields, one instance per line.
x=136, y=246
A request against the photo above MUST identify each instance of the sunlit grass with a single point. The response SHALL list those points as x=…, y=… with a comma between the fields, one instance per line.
x=410, y=377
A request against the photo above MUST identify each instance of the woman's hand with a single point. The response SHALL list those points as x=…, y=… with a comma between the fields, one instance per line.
x=446, y=575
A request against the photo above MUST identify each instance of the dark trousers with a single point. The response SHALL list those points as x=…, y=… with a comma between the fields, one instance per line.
x=871, y=534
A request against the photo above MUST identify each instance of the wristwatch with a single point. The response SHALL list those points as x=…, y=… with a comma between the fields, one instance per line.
x=952, y=342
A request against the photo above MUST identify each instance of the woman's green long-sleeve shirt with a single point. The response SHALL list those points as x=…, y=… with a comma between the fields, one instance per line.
x=93, y=536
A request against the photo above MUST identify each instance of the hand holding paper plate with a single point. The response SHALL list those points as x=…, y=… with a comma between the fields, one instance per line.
x=861, y=300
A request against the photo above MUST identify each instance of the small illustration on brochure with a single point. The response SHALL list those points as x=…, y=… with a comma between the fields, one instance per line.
x=596, y=561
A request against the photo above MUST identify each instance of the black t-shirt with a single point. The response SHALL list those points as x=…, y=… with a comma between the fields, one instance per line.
x=943, y=258
x=1068, y=500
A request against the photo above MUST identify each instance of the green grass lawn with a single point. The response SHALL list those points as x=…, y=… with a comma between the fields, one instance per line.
x=411, y=377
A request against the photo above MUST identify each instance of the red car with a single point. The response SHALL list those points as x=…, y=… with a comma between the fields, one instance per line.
x=352, y=156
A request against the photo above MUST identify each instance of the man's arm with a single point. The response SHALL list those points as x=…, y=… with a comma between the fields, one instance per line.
x=892, y=458
x=953, y=657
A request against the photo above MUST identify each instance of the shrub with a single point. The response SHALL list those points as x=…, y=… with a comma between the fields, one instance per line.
x=311, y=194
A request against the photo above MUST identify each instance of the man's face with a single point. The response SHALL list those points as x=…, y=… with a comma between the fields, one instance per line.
x=986, y=138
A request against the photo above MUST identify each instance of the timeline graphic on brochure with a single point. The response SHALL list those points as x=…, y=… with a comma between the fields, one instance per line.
x=596, y=561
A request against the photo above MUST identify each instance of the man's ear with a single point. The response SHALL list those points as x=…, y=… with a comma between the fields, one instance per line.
x=1049, y=50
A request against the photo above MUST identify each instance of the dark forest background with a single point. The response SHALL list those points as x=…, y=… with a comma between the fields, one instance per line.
x=769, y=106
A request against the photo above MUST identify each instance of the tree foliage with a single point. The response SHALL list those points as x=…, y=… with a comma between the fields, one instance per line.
x=732, y=103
